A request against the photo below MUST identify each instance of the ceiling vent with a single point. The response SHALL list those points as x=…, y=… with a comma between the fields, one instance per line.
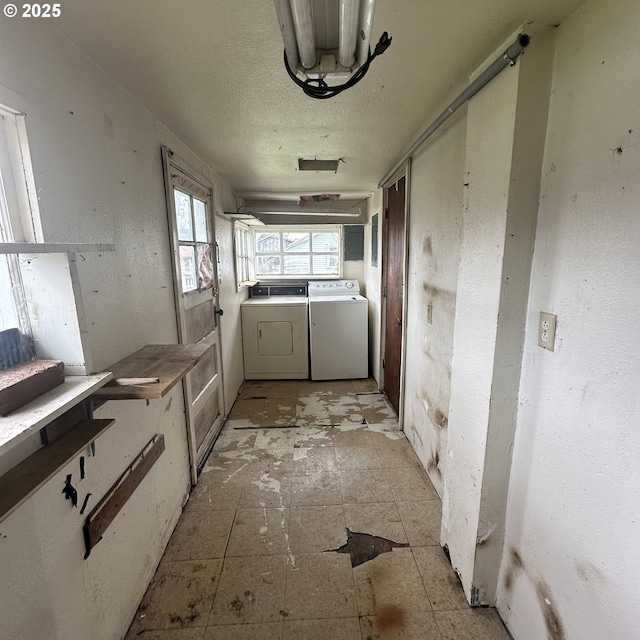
x=318, y=165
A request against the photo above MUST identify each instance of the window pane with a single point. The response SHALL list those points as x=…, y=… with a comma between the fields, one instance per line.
x=298, y=265
x=200, y=217
x=325, y=265
x=188, y=268
x=325, y=241
x=267, y=242
x=205, y=266
x=295, y=242
x=268, y=265
x=183, y=215
x=8, y=315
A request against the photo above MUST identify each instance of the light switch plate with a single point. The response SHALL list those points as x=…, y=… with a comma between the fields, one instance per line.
x=547, y=330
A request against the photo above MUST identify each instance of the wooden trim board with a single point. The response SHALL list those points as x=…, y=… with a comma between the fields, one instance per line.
x=21, y=482
x=109, y=506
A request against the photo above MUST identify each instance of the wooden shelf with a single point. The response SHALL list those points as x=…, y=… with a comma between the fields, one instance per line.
x=29, y=419
x=21, y=482
x=169, y=363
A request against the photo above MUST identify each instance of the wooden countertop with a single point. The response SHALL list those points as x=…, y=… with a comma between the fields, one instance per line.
x=167, y=362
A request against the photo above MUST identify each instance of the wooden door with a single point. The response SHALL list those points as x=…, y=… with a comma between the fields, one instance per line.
x=394, y=291
x=191, y=224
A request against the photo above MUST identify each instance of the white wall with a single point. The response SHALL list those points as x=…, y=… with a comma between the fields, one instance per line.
x=229, y=301
x=435, y=226
x=96, y=157
x=571, y=558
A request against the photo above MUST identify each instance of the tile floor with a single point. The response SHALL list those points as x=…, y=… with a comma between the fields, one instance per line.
x=296, y=465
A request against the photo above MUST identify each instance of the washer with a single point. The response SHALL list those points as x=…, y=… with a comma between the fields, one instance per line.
x=338, y=330
x=275, y=338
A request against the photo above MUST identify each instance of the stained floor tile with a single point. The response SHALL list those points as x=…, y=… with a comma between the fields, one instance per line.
x=200, y=534
x=365, y=485
x=321, y=488
x=390, y=581
x=357, y=457
x=422, y=521
x=180, y=595
x=334, y=629
x=258, y=532
x=410, y=483
x=267, y=489
x=250, y=591
x=320, y=585
x=439, y=579
x=472, y=624
x=316, y=528
x=314, y=459
x=378, y=519
x=267, y=631
x=173, y=634
x=250, y=559
x=394, y=623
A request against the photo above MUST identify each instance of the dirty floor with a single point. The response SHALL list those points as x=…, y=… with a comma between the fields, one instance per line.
x=312, y=520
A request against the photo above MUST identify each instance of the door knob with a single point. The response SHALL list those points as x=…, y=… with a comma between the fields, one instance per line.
x=220, y=312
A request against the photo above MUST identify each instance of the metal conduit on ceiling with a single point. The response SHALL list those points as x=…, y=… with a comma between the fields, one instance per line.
x=507, y=59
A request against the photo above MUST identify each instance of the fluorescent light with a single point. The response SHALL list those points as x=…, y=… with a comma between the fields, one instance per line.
x=364, y=35
x=302, y=12
x=349, y=10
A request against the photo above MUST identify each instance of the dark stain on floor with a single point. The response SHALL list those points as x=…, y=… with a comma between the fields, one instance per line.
x=390, y=617
x=363, y=547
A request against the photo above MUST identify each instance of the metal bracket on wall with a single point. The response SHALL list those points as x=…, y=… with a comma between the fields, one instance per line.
x=109, y=507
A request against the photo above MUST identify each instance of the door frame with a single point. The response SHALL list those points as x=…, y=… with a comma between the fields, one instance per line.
x=170, y=163
x=403, y=171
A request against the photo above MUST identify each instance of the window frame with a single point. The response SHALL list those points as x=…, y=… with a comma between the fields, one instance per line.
x=308, y=229
x=183, y=183
x=242, y=253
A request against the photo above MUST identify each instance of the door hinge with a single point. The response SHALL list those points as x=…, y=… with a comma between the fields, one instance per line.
x=383, y=363
x=384, y=292
x=386, y=213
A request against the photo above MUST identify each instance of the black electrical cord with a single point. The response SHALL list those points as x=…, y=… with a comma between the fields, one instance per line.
x=319, y=89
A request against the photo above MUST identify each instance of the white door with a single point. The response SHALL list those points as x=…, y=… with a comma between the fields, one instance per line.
x=192, y=233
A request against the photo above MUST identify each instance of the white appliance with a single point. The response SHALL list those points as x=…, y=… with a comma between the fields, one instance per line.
x=338, y=330
x=275, y=338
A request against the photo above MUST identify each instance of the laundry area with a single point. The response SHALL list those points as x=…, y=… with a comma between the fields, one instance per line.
x=318, y=320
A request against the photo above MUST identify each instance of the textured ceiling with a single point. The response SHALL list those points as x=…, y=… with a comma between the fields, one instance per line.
x=212, y=71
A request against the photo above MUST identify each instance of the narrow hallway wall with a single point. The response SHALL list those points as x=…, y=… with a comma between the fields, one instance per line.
x=571, y=558
x=435, y=227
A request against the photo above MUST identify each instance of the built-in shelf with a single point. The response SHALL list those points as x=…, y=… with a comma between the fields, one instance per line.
x=29, y=419
x=169, y=363
x=21, y=482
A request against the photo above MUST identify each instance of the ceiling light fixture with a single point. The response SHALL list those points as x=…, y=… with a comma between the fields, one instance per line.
x=327, y=39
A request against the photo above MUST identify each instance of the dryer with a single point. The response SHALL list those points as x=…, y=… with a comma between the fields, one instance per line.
x=338, y=330
x=275, y=338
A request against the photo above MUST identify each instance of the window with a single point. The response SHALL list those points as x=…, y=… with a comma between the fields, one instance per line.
x=194, y=236
x=19, y=220
x=241, y=248
x=297, y=252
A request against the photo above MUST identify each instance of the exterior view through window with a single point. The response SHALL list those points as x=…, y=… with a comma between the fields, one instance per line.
x=297, y=253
